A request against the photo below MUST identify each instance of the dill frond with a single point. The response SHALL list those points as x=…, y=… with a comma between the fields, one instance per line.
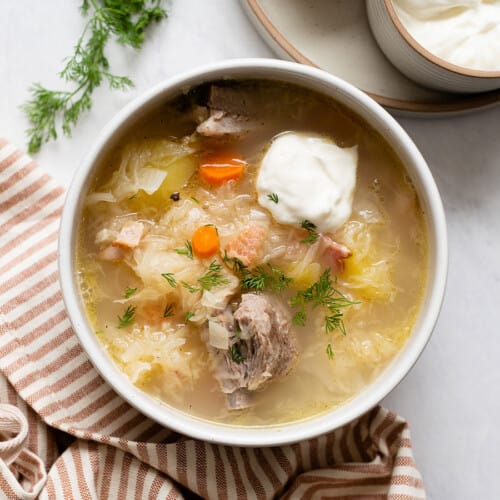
x=124, y=20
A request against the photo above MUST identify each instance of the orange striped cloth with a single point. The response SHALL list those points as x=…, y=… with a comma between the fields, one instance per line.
x=119, y=453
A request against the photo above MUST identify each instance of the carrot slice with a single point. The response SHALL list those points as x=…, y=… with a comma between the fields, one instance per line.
x=205, y=242
x=216, y=170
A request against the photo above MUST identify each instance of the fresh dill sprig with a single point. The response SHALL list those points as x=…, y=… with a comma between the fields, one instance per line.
x=188, y=316
x=129, y=292
x=170, y=278
x=299, y=318
x=264, y=277
x=187, y=251
x=88, y=68
x=329, y=351
x=190, y=288
x=273, y=197
x=236, y=264
x=311, y=229
x=322, y=293
x=128, y=317
x=169, y=311
x=236, y=354
x=212, y=278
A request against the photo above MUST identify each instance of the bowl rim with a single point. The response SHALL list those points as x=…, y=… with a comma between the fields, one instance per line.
x=275, y=434
x=429, y=56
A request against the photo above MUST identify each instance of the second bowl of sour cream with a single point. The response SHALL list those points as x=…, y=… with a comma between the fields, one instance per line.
x=450, y=45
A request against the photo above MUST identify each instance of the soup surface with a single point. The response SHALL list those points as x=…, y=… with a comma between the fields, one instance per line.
x=207, y=302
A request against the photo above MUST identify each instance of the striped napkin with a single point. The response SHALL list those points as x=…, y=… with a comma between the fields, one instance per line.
x=47, y=382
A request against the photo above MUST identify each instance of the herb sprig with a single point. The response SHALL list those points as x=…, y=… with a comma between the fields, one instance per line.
x=311, y=229
x=322, y=293
x=236, y=354
x=169, y=311
x=88, y=68
x=187, y=250
x=273, y=197
x=128, y=317
x=236, y=264
x=170, y=279
x=264, y=277
x=129, y=292
x=329, y=351
x=212, y=278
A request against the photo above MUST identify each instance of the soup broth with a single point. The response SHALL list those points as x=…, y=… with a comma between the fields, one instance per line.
x=152, y=297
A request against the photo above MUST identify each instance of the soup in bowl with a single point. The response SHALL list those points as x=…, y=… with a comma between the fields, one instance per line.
x=259, y=253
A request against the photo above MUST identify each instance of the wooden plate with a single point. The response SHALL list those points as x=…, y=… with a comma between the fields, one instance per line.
x=334, y=35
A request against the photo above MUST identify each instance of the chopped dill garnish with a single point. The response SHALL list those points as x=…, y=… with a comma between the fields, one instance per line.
x=129, y=292
x=196, y=200
x=187, y=251
x=237, y=264
x=262, y=277
x=322, y=293
x=273, y=197
x=329, y=351
x=188, y=316
x=299, y=318
x=311, y=229
x=190, y=288
x=170, y=278
x=128, y=317
x=213, y=277
x=236, y=355
x=133, y=196
x=169, y=311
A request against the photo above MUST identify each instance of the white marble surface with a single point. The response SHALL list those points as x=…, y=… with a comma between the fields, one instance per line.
x=451, y=397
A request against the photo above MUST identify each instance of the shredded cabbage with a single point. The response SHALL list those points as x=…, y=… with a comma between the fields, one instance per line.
x=144, y=166
x=367, y=271
x=218, y=336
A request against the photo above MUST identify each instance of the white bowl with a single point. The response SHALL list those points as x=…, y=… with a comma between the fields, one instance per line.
x=416, y=62
x=418, y=170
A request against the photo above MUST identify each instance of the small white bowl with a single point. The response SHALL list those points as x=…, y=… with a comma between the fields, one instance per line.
x=416, y=62
x=418, y=171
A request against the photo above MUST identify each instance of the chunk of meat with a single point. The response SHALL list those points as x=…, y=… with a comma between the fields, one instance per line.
x=261, y=347
x=221, y=123
x=231, y=112
x=334, y=253
x=247, y=244
x=130, y=235
x=271, y=349
x=112, y=253
x=105, y=236
x=236, y=100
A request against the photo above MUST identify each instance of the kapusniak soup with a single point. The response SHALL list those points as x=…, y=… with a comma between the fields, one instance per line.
x=252, y=253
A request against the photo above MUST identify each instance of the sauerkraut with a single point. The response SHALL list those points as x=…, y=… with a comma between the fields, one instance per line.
x=151, y=303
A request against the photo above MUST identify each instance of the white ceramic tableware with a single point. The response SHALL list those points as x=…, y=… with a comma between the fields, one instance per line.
x=416, y=62
x=418, y=171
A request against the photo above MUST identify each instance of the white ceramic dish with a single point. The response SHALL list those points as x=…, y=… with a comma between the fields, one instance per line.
x=419, y=172
x=416, y=62
x=335, y=36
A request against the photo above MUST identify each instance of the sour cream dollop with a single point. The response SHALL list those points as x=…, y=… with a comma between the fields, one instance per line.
x=462, y=32
x=313, y=180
